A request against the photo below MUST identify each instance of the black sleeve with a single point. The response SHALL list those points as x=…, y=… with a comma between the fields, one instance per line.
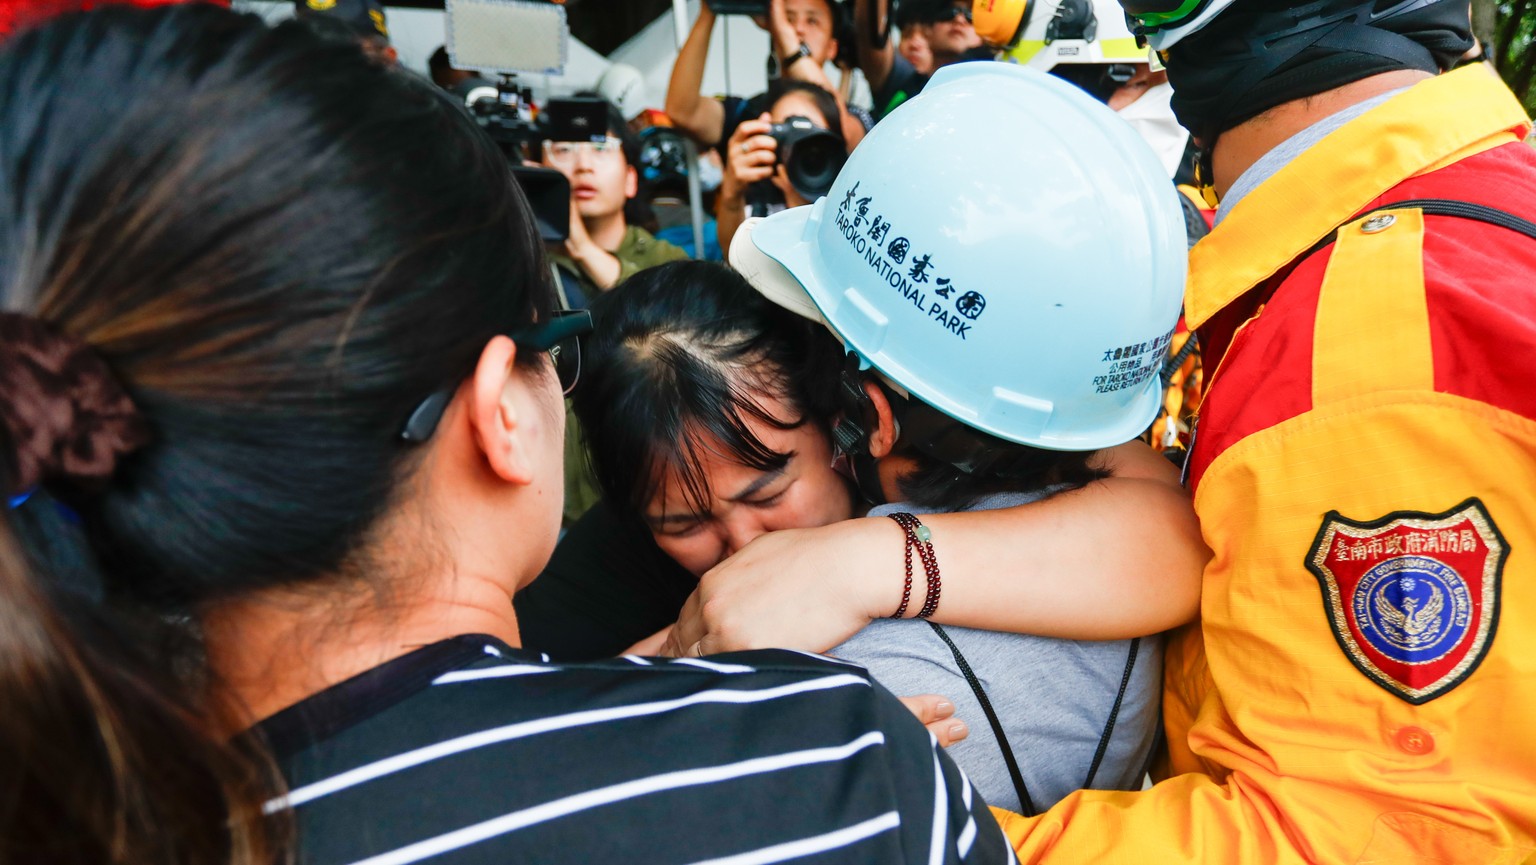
x=938, y=805
x=860, y=114
x=902, y=84
x=735, y=110
x=607, y=586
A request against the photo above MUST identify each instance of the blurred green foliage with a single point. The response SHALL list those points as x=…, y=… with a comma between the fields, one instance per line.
x=1514, y=48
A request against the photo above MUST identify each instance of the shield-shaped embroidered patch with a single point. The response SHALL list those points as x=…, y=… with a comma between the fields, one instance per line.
x=1413, y=597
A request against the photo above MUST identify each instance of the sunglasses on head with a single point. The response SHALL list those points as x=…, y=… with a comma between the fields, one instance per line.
x=560, y=336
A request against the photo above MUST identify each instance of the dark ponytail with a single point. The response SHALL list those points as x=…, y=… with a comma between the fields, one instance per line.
x=103, y=763
x=241, y=255
x=278, y=248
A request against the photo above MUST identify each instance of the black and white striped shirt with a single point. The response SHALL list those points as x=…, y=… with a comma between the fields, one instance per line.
x=468, y=751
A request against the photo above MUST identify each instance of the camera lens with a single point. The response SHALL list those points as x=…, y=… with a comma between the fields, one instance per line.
x=813, y=163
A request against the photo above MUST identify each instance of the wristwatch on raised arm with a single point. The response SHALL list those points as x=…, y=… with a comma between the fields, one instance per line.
x=794, y=57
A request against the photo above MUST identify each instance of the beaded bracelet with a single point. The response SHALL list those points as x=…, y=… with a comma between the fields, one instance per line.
x=918, y=537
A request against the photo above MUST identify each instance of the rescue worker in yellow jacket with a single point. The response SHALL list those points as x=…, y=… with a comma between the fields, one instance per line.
x=1360, y=685
x=1364, y=466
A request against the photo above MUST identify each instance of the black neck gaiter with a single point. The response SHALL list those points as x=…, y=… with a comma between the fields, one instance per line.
x=1260, y=53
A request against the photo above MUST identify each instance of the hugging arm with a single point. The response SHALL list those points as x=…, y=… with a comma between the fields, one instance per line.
x=1121, y=557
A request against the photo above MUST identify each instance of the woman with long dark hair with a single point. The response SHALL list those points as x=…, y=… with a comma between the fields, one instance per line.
x=284, y=381
x=718, y=415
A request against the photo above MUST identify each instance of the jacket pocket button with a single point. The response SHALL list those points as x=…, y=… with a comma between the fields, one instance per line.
x=1378, y=223
x=1415, y=740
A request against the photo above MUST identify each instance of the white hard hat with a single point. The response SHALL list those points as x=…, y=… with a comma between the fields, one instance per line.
x=1001, y=246
x=1164, y=22
x=1062, y=32
x=624, y=86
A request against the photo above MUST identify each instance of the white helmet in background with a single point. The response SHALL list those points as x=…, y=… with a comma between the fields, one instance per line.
x=1003, y=248
x=1056, y=32
x=1162, y=23
x=624, y=86
x=1165, y=22
x=1089, y=43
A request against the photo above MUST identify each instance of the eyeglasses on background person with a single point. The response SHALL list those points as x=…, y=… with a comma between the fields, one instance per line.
x=564, y=153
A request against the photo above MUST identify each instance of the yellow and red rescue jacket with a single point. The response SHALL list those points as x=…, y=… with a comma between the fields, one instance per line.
x=1362, y=683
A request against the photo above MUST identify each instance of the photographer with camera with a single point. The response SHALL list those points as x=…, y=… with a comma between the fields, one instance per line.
x=945, y=26
x=803, y=40
x=787, y=157
x=603, y=247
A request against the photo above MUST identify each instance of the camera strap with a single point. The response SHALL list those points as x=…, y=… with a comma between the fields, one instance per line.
x=1437, y=207
x=1027, y=805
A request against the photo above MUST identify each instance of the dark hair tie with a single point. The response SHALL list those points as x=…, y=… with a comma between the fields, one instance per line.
x=68, y=418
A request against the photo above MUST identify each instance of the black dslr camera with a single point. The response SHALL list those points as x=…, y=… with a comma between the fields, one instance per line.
x=811, y=156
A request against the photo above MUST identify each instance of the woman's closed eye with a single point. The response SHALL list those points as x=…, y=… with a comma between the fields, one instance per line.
x=678, y=525
x=768, y=501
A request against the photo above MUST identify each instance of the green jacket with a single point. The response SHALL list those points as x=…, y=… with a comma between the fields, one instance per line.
x=639, y=250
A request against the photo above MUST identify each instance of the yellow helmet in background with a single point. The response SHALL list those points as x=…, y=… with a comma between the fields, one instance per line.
x=1051, y=33
x=999, y=22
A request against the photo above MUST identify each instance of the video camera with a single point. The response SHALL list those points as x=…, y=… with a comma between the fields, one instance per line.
x=504, y=37
x=507, y=113
x=811, y=155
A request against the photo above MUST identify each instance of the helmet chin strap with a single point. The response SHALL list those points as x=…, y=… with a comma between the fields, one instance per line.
x=1205, y=175
x=918, y=425
x=852, y=443
x=851, y=433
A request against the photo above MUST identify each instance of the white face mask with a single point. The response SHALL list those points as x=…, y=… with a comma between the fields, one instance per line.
x=1153, y=120
x=710, y=174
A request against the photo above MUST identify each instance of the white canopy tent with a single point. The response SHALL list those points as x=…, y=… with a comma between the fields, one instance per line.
x=416, y=33
x=737, y=61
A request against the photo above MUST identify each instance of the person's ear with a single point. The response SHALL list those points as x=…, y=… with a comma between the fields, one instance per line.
x=831, y=49
x=631, y=182
x=882, y=439
x=494, y=413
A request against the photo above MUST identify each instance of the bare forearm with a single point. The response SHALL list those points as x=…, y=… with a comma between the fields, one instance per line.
x=696, y=114
x=806, y=69
x=602, y=267
x=1119, y=558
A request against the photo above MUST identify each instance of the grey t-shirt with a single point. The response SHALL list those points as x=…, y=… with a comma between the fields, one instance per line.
x=1285, y=152
x=1053, y=697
